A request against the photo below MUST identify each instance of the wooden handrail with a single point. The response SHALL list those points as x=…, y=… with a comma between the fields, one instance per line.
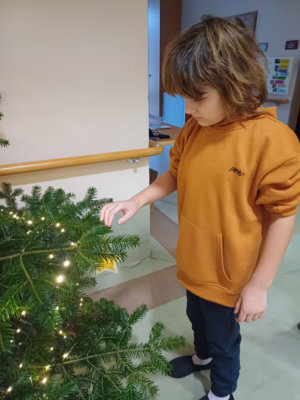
x=277, y=101
x=12, y=169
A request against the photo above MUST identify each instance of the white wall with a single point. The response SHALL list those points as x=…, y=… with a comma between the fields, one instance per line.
x=154, y=56
x=74, y=81
x=278, y=21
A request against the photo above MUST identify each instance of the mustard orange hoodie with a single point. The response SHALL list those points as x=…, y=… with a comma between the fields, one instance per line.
x=225, y=174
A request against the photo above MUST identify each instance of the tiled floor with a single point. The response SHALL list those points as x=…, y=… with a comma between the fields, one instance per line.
x=270, y=353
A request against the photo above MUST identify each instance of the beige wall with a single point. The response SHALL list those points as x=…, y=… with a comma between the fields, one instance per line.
x=74, y=81
x=278, y=21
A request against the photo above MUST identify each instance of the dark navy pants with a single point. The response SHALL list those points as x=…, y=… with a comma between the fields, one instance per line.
x=216, y=336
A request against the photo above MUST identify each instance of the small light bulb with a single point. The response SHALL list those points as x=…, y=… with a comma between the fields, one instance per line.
x=60, y=332
x=51, y=256
x=23, y=312
x=57, y=224
x=72, y=244
x=28, y=232
x=65, y=337
x=80, y=304
x=11, y=341
x=9, y=389
x=47, y=367
x=65, y=355
x=43, y=218
x=77, y=284
x=44, y=380
x=62, y=230
x=51, y=348
x=11, y=212
x=21, y=365
x=18, y=330
x=17, y=217
x=29, y=222
x=60, y=278
x=81, y=299
x=66, y=263
x=57, y=308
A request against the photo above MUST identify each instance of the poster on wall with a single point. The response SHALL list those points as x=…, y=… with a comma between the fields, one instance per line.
x=279, y=74
x=249, y=20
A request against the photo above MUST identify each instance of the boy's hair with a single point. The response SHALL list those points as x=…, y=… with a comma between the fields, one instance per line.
x=219, y=53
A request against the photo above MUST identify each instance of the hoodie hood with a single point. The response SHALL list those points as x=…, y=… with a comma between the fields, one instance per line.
x=241, y=120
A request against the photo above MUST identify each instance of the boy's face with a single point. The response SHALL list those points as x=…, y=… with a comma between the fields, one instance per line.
x=209, y=110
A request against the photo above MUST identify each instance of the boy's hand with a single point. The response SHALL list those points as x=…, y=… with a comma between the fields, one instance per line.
x=108, y=212
x=251, y=304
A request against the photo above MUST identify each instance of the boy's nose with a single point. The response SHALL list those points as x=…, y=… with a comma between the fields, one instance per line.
x=188, y=108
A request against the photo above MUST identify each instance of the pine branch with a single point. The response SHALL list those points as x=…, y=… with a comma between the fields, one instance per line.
x=47, y=248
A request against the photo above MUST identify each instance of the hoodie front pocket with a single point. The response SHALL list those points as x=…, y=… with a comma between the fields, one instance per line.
x=199, y=254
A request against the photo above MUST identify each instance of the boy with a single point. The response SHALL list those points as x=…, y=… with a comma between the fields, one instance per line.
x=231, y=161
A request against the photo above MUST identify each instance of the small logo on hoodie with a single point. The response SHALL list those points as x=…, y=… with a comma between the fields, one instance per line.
x=239, y=172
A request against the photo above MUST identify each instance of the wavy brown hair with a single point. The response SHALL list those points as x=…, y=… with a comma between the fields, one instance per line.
x=219, y=53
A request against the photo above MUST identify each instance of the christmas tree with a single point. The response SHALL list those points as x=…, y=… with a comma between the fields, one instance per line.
x=55, y=342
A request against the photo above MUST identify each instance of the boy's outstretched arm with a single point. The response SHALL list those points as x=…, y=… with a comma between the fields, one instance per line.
x=252, y=302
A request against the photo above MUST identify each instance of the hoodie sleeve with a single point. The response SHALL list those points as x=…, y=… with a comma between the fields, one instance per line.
x=180, y=142
x=279, y=190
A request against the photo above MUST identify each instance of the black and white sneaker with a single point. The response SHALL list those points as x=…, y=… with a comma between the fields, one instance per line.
x=184, y=366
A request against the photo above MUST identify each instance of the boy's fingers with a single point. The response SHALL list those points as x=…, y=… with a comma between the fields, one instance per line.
x=255, y=317
x=125, y=218
x=112, y=214
x=242, y=317
x=237, y=306
x=109, y=212
x=249, y=318
x=102, y=213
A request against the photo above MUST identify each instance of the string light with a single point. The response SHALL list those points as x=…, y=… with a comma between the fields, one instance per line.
x=65, y=355
x=60, y=332
x=28, y=232
x=81, y=299
x=77, y=284
x=57, y=224
x=23, y=312
x=15, y=216
x=80, y=304
x=47, y=367
x=72, y=244
x=51, y=256
x=43, y=218
x=57, y=308
x=66, y=263
x=65, y=337
x=44, y=380
x=18, y=330
x=29, y=222
x=60, y=278
x=62, y=230
x=21, y=365
x=11, y=212
x=9, y=389
x=11, y=341
x=51, y=349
